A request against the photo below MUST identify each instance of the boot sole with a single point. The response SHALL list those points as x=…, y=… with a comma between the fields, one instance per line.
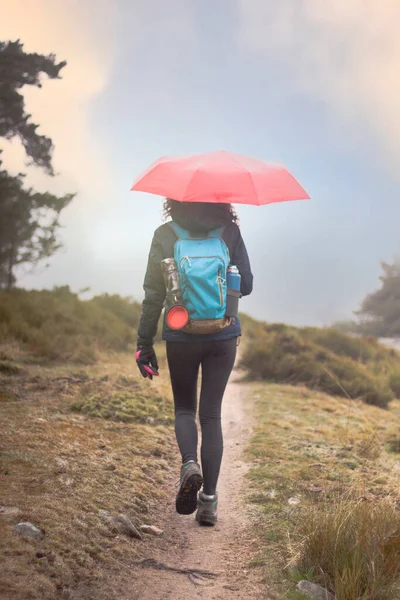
x=186, y=500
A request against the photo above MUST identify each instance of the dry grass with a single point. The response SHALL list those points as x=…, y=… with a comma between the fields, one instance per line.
x=322, y=359
x=58, y=468
x=313, y=457
x=352, y=548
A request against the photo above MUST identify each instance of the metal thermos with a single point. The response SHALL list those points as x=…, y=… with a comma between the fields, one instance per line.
x=172, y=281
x=233, y=291
x=176, y=315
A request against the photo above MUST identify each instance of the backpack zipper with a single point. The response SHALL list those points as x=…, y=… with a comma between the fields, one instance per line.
x=187, y=259
x=184, y=259
x=220, y=281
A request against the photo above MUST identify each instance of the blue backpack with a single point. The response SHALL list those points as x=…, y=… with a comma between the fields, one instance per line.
x=202, y=265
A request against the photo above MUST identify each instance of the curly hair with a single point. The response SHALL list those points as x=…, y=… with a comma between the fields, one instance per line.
x=220, y=213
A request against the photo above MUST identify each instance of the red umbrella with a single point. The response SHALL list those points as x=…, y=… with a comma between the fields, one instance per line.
x=220, y=177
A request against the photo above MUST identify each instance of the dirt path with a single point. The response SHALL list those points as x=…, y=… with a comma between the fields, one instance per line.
x=225, y=549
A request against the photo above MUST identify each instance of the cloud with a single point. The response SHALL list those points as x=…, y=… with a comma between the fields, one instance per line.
x=345, y=53
x=82, y=34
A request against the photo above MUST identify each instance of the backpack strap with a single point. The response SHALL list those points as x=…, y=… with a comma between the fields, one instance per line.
x=179, y=231
x=216, y=233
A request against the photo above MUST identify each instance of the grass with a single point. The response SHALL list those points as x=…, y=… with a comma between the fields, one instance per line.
x=352, y=548
x=57, y=325
x=322, y=359
x=326, y=489
x=123, y=399
x=59, y=467
x=83, y=432
x=394, y=381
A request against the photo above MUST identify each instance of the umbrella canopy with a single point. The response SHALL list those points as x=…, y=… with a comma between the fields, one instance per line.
x=220, y=177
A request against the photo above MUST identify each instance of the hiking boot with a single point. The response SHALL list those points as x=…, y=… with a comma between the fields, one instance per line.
x=190, y=482
x=207, y=509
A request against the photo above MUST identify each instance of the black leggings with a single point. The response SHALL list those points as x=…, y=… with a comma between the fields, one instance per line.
x=216, y=360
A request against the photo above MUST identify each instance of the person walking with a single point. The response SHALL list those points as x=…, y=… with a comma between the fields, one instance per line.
x=210, y=344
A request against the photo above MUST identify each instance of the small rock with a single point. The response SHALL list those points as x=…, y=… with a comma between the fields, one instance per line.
x=105, y=516
x=122, y=523
x=61, y=465
x=40, y=554
x=271, y=494
x=152, y=529
x=29, y=530
x=125, y=525
x=313, y=590
x=294, y=500
x=150, y=420
x=43, y=562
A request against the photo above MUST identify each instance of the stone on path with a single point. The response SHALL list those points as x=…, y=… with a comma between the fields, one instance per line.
x=294, y=500
x=28, y=530
x=152, y=529
x=122, y=523
x=313, y=590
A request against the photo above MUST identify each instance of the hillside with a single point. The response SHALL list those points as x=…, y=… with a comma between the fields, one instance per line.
x=86, y=439
x=58, y=325
x=322, y=359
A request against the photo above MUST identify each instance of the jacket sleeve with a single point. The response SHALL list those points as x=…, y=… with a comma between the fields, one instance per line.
x=154, y=294
x=240, y=258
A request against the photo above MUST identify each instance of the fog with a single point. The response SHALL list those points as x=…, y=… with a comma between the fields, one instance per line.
x=313, y=87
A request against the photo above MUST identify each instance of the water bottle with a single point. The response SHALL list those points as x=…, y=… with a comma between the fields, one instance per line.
x=176, y=315
x=171, y=280
x=233, y=291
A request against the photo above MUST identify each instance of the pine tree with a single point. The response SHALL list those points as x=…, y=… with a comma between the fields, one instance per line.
x=29, y=221
x=381, y=308
x=28, y=226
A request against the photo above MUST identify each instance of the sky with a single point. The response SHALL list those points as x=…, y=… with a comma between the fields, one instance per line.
x=315, y=85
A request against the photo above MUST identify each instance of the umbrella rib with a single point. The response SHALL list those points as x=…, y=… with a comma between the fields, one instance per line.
x=254, y=187
x=190, y=181
x=249, y=174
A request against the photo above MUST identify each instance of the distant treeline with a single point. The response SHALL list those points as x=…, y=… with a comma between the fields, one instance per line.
x=379, y=314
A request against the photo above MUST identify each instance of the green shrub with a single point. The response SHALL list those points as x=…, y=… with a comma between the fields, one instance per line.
x=125, y=309
x=7, y=368
x=320, y=359
x=58, y=325
x=394, y=382
x=356, y=348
